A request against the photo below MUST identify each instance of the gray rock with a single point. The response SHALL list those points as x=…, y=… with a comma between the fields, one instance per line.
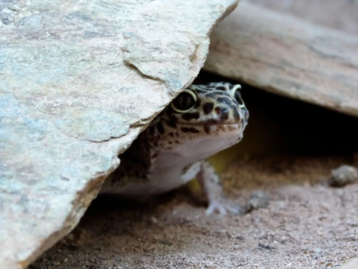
x=343, y=175
x=78, y=81
x=287, y=56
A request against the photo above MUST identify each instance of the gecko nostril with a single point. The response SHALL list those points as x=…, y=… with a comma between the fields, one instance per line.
x=218, y=110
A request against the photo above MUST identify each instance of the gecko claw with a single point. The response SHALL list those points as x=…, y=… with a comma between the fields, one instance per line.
x=223, y=207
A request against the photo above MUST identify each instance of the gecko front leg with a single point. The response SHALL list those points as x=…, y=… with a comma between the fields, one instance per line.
x=210, y=184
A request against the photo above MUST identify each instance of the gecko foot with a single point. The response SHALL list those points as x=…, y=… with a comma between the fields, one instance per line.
x=223, y=206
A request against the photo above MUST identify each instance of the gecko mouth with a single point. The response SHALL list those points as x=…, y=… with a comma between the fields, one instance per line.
x=210, y=123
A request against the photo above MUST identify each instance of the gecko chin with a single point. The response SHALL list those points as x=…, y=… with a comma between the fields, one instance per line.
x=205, y=140
x=208, y=130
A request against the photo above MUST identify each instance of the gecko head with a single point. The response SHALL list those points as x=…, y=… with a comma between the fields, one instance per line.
x=204, y=107
x=214, y=114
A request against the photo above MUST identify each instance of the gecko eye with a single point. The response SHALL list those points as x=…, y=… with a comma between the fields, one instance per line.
x=237, y=96
x=184, y=102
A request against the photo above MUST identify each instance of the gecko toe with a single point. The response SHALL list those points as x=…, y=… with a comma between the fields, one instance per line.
x=225, y=206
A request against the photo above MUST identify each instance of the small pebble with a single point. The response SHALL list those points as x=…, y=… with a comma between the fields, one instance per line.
x=343, y=175
x=258, y=199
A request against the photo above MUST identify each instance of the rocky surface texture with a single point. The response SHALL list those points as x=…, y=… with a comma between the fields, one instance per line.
x=309, y=57
x=78, y=81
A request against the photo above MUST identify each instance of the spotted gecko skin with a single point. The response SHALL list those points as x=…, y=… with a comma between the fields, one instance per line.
x=199, y=122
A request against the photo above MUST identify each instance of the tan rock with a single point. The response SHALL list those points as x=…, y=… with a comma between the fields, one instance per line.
x=287, y=56
x=78, y=81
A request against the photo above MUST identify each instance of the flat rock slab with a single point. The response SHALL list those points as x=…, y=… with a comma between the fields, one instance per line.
x=327, y=13
x=287, y=56
x=78, y=81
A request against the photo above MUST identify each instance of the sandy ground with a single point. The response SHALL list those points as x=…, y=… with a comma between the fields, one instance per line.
x=289, y=155
x=307, y=224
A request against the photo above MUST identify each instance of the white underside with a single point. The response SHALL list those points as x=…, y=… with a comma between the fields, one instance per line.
x=167, y=173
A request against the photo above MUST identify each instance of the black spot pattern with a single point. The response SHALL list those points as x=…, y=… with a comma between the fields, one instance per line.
x=172, y=123
x=190, y=116
x=189, y=130
x=221, y=88
x=208, y=107
x=136, y=160
x=160, y=128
